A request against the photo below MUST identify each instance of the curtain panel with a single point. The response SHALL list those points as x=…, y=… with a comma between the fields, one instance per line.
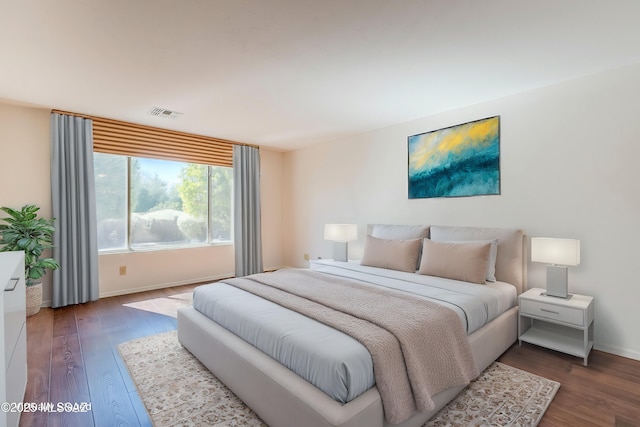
x=74, y=207
x=247, y=228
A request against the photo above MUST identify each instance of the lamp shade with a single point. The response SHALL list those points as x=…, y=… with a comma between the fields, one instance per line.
x=340, y=232
x=555, y=251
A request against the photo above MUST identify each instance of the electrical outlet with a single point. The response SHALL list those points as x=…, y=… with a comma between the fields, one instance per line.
x=123, y=270
x=306, y=257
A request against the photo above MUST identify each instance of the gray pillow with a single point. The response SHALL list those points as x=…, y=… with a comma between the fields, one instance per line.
x=399, y=232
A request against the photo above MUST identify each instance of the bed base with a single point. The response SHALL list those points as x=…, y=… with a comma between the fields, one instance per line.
x=282, y=398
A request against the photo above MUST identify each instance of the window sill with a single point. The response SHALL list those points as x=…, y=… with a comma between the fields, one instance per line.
x=160, y=248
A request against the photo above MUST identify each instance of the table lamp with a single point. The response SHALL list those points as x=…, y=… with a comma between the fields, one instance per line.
x=340, y=234
x=558, y=254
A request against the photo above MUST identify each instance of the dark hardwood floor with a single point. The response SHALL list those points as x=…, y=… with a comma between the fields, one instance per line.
x=605, y=393
x=73, y=357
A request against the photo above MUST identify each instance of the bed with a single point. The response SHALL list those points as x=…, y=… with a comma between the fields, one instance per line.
x=262, y=371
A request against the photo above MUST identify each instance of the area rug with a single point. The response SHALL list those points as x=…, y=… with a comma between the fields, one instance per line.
x=178, y=390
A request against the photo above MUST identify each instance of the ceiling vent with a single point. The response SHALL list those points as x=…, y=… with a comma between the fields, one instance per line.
x=161, y=112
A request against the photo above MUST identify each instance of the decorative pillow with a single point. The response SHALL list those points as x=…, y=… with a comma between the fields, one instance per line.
x=401, y=232
x=454, y=260
x=392, y=254
x=493, y=254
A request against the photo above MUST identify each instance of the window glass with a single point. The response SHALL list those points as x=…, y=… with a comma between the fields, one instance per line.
x=159, y=213
x=111, y=200
x=193, y=191
x=170, y=203
x=221, y=185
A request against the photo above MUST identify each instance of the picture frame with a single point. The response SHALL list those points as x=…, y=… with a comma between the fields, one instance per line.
x=457, y=161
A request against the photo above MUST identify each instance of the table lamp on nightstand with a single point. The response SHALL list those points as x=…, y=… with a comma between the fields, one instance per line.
x=340, y=234
x=558, y=253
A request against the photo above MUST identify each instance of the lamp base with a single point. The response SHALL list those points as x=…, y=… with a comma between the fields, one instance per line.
x=568, y=297
x=557, y=281
x=340, y=251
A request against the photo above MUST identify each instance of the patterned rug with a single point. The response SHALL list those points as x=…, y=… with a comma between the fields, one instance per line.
x=177, y=390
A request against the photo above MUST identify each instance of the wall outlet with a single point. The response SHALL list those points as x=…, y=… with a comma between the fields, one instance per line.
x=306, y=257
x=123, y=270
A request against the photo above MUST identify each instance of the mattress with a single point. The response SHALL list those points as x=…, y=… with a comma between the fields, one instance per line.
x=332, y=361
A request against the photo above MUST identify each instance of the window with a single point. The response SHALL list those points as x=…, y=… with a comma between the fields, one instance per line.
x=147, y=203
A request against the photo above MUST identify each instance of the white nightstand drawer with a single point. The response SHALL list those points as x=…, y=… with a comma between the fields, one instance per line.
x=553, y=312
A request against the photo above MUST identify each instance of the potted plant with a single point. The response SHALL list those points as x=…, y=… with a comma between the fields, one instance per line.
x=22, y=230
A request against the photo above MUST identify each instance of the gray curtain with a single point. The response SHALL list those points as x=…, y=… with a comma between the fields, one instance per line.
x=247, y=232
x=74, y=207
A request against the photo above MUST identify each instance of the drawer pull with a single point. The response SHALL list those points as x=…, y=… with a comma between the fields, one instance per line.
x=15, y=281
x=550, y=311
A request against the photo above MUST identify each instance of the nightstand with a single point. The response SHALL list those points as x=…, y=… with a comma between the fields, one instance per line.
x=314, y=264
x=321, y=263
x=564, y=325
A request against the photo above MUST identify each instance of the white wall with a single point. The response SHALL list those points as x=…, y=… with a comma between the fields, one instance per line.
x=569, y=168
x=271, y=199
x=25, y=170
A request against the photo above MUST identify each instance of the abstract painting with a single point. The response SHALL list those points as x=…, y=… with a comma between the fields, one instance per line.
x=458, y=161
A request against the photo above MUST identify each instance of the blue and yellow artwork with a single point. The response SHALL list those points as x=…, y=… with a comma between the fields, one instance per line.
x=457, y=161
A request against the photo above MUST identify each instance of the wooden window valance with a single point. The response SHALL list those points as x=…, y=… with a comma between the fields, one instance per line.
x=129, y=139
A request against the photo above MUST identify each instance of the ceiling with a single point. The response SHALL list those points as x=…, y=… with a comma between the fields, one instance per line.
x=286, y=73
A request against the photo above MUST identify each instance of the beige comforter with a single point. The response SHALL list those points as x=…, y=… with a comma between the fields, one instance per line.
x=418, y=347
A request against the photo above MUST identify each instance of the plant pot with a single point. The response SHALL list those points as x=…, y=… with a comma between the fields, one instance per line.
x=34, y=299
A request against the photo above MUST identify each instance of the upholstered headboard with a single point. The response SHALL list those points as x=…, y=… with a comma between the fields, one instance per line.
x=511, y=266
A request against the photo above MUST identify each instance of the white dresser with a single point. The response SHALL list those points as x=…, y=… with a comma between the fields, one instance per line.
x=14, y=334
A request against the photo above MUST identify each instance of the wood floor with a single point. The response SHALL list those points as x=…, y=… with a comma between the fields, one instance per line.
x=73, y=357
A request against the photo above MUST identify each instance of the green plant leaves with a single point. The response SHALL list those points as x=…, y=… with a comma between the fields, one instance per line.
x=22, y=230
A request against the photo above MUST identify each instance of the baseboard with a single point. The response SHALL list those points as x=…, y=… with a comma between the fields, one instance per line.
x=631, y=354
x=152, y=287
x=163, y=285
x=156, y=286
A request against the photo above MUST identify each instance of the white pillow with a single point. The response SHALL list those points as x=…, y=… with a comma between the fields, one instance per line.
x=399, y=255
x=455, y=260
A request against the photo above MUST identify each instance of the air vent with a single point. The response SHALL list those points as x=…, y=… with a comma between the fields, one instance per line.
x=161, y=112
